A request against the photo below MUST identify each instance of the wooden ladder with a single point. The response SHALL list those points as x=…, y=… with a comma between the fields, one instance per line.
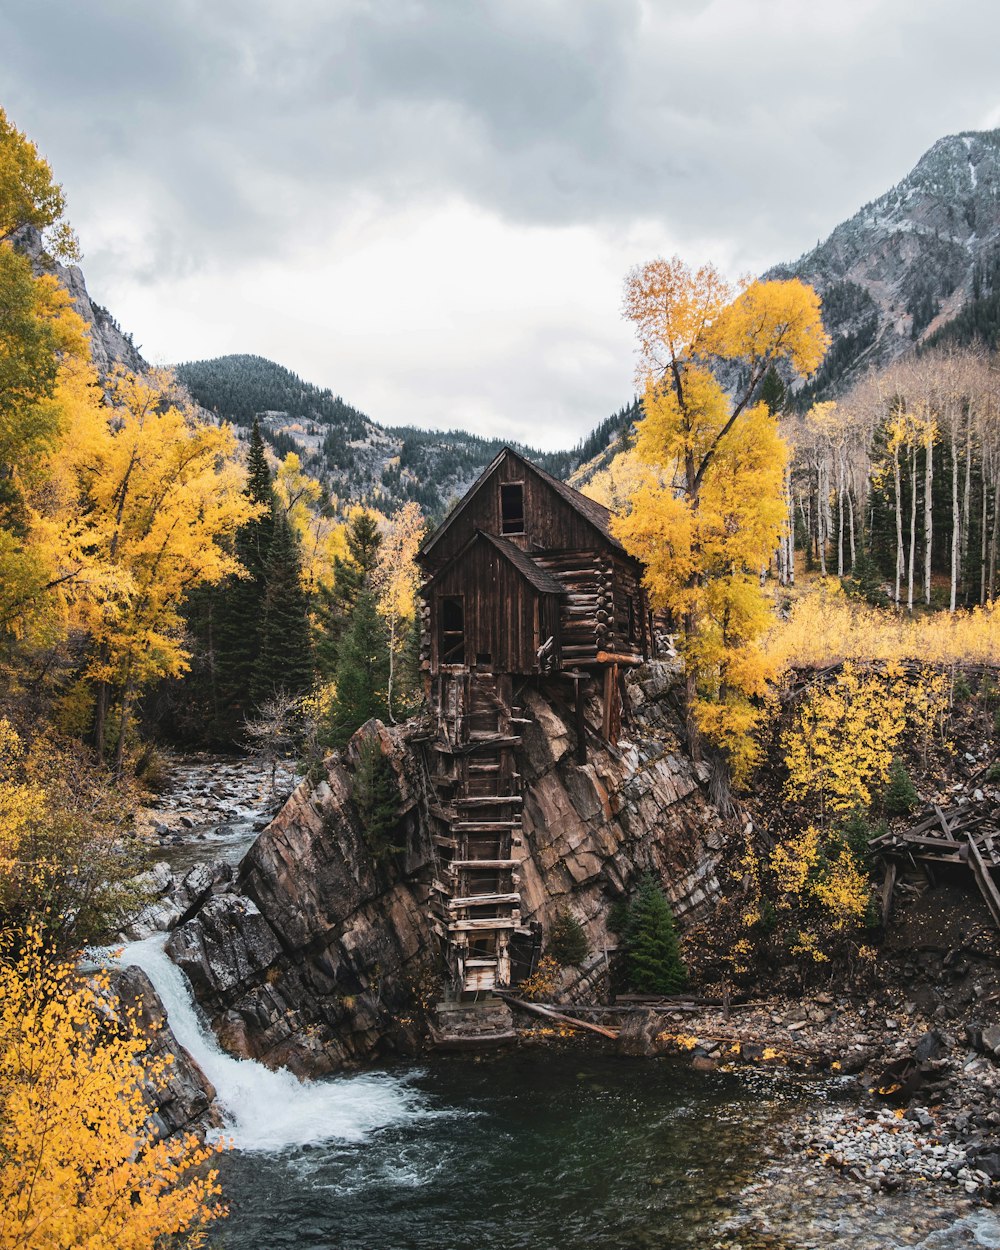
x=475, y=901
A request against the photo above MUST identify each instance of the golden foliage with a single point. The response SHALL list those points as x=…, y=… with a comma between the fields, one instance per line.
x=846, y=732
x=79, y=1163
x=826, y=627
x=543, y=981
x=702, y=501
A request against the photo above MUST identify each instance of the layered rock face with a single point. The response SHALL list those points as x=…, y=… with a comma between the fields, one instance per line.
x=184, y=1103
x=325, y=955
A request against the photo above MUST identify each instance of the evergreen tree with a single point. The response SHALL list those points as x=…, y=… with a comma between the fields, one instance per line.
x=362, y=674
x=337, y=601
x=773, y=391
x=567, y=941
x=376, y=796
x=900, y=795
x=237, y=610
x=284, y=660
x=654, y=960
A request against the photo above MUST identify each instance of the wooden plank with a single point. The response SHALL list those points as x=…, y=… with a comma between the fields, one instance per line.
x=944, y=823
x=458, y=865
x=985, y=882
x=887, y=888
x=488, y=800
x=485, y=925
x=481, y=900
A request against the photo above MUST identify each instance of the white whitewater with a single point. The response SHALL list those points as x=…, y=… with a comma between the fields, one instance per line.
x=265, y=1110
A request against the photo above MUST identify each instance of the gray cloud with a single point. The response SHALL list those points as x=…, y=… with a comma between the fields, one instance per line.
x=196, y=137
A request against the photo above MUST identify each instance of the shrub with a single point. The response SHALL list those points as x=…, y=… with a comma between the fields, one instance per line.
x=900, y=795
x=654, y=960
x=567, y=942
x=542, y=982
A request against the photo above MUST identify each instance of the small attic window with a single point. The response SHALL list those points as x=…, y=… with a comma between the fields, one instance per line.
x=512, y=508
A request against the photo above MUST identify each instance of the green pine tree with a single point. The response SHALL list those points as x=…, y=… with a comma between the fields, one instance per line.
x=349, y=577
x=900, y=795
x=567, y=942
x=362, y=675
x=376, y=797
x=284, y=661
x=654, y=959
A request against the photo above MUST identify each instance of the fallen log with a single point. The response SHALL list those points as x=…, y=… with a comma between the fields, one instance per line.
x=549, y=1014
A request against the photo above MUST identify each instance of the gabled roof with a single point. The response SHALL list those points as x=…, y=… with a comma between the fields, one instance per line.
x=594, y=513
x=540, y=578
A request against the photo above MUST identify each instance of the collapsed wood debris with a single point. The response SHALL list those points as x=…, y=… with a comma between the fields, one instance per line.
x=967, y=836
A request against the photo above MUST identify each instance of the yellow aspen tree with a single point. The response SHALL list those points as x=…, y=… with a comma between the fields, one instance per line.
x=397, y=577
x=157, y=495
x=79, y=1163
x=712, y=526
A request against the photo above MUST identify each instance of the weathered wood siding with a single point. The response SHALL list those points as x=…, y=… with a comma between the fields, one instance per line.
x=550, y=523
x=506, y=618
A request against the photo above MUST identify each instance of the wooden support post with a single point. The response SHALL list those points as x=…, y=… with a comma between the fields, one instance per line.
x=609, y=694
x=581, y=728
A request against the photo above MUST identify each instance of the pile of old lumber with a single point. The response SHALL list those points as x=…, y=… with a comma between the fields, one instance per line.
x=967, y=836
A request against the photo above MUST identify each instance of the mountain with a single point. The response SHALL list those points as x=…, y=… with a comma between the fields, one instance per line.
x=109, y=343
x=910, y=264
x=356, y=458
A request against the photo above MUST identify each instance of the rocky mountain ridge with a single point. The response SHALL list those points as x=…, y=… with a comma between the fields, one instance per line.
x=906, y=264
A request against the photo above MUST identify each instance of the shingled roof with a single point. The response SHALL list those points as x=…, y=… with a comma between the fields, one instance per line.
x=540, y=578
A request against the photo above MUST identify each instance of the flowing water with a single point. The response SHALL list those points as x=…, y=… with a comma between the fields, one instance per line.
x=534, y=1150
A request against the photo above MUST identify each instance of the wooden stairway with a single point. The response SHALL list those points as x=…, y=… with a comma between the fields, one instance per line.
x=475, y=901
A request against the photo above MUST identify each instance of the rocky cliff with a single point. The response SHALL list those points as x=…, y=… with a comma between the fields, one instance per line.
x=109, y=344
x=325, y=956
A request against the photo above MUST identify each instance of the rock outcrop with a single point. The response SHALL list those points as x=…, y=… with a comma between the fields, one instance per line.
x=185, y=1101
x=326, y=956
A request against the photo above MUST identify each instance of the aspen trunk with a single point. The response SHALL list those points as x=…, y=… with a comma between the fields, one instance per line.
x=955, y=523
x=928, y=518
x=913, y=528
x=897, y=482
x=993, y=536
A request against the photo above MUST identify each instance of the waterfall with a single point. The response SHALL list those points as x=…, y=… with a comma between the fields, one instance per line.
x=265, y=1110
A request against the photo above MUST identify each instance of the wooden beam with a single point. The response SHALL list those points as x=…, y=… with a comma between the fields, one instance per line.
x=485, y=925
x=481, y=900
x=985, y=882
x=458, y=865
x=619, y=657
x=888, y=885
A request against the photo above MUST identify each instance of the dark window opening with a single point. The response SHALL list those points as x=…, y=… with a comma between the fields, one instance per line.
x=512, y=508
x=633, y=622
x=453, y=630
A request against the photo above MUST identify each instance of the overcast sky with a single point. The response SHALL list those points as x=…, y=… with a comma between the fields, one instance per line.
x=430, y=206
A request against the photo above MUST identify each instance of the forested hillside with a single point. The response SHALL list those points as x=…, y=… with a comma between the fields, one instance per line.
x=355, y=458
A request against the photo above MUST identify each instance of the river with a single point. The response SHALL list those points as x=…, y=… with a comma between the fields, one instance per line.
x=541, y=1148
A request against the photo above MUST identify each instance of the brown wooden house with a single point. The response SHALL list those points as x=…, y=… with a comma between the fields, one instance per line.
x=526, y=577
x=523, y=581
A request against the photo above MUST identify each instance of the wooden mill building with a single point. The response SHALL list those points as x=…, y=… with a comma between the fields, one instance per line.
x=524, y=581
